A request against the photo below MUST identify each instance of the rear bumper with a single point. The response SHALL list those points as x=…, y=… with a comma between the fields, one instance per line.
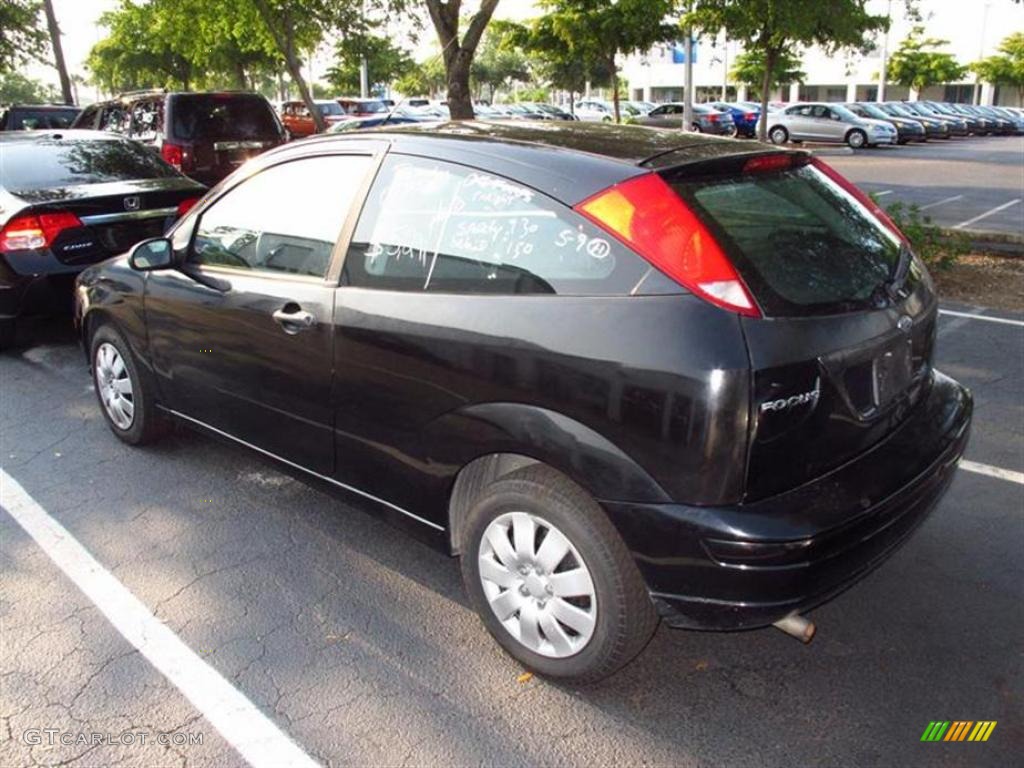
x=749, y=565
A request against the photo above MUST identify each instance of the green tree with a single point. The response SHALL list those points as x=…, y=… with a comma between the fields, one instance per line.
x=773, y=27
x=385, y=62
x=497, y=65
x=1007, y=67
x=917, y=64
x=16, y=88
x=22, y=36
x=748, y=68
x=458, y=52
x=427, y=78
x=596, y=32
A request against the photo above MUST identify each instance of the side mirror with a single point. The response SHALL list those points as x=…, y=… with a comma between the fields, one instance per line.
x=151, y=255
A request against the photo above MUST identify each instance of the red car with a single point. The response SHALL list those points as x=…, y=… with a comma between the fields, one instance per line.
x=298, y=120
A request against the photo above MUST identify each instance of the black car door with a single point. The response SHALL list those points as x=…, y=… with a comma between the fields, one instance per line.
x=241, y=337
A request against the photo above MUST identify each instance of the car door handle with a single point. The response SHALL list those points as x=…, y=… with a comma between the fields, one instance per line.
x=293, y=319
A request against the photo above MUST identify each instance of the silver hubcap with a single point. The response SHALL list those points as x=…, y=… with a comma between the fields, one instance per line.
x=537, y=584
x=114, y=386
x=856, y=139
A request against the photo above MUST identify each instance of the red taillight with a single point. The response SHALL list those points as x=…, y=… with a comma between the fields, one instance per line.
x=647, y=215
x=712, y=118
x=186, y=205
x=767, y=163
x=848, y=186
x=35, y=231
x=750, y=116
x=178, y=156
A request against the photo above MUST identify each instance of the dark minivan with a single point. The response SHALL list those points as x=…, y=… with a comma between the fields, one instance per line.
x=623, y=373
x=206, y=136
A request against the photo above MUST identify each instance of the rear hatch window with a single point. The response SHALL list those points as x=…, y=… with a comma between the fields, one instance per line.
x=802, y=244
x=214, y=116
x=22, y=119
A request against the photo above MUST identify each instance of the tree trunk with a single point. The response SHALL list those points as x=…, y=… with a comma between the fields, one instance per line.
x=460, y=101
x=240, y=79
x=58, y=53
x=615, y=88
x=458, y=55
x=281, y=30
x=766, y=81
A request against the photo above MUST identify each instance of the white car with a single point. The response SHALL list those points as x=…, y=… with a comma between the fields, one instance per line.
x=828, y=122
x=595, y=111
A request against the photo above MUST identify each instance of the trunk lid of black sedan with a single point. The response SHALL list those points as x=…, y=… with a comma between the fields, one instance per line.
x=83, y=198
x=842, y=338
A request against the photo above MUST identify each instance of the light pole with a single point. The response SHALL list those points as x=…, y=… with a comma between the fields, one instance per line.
x=885, y=56
x=981, y=51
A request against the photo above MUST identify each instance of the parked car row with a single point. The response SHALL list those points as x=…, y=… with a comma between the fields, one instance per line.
x=870, y=124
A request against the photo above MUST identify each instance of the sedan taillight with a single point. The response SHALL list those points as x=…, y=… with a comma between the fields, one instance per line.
x=35, y=231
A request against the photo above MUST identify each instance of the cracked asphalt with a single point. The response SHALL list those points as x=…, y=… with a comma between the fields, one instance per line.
x=358, y=643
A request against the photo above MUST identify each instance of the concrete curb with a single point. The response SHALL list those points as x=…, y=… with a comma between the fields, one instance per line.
x=831, y=151
x=1000, y=243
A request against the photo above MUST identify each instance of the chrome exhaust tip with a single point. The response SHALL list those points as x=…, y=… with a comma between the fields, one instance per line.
x=797, y=626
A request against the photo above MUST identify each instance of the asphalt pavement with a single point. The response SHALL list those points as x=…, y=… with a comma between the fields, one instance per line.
x=357, y=643
x=974, y=183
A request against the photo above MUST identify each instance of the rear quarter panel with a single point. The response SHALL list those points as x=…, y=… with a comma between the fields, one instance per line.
x=633, y=397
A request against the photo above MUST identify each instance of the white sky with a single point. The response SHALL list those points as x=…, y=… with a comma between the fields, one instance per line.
x=957, y=20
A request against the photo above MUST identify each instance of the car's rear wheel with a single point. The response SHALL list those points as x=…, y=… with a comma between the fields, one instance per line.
x=552, y=580
x=856, y=138
x=695, y=128
x=125, y=398
x=778, y=135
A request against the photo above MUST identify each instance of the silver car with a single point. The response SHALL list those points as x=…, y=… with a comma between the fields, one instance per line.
x=828, y=122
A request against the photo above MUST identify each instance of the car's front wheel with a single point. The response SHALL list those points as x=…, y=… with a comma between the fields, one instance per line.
x=552, y=580
x=856, y=139
x=125, y=398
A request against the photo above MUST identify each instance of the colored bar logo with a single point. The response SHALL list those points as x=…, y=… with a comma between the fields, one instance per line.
x=958, y=730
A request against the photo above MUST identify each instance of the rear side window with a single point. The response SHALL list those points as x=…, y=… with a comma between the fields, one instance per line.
x=55, y=163
x=232, y=117
x=284, y=219
x=435, y=226
x=801, y=243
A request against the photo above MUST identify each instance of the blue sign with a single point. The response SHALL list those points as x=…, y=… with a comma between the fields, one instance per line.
x=679, y=52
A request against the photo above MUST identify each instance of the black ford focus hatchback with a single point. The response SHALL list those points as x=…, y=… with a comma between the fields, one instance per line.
x=622, y=374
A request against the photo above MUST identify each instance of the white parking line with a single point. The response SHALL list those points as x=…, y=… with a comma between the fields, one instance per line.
x=237, y=719
x=986, y=214
x=940, y=202
x=1004, y=320
x=985, y=469
x=883, y=193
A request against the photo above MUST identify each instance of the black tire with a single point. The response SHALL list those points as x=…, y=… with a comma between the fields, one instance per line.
x=7, y=333
x=625, y=616
x=856, y=139
x=695, y=128
x=778, y=135
x=147, y=423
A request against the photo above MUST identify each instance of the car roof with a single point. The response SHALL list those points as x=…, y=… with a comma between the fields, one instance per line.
x=569, y=162
x=54, y=107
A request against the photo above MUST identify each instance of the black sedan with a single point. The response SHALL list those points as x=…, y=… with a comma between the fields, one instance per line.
x=69, y=199
x=623, y=373
x=906, y=128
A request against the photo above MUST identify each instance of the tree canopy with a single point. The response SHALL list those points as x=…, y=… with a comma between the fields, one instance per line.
x=23, y=35
x=592, y=33
x=772, y=28
x=748, y=68
x=1006, y=67
x=385, y=62
x=917, y=63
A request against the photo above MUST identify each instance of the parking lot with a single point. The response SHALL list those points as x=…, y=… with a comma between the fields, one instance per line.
x=971, y=184
x=310, y=631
